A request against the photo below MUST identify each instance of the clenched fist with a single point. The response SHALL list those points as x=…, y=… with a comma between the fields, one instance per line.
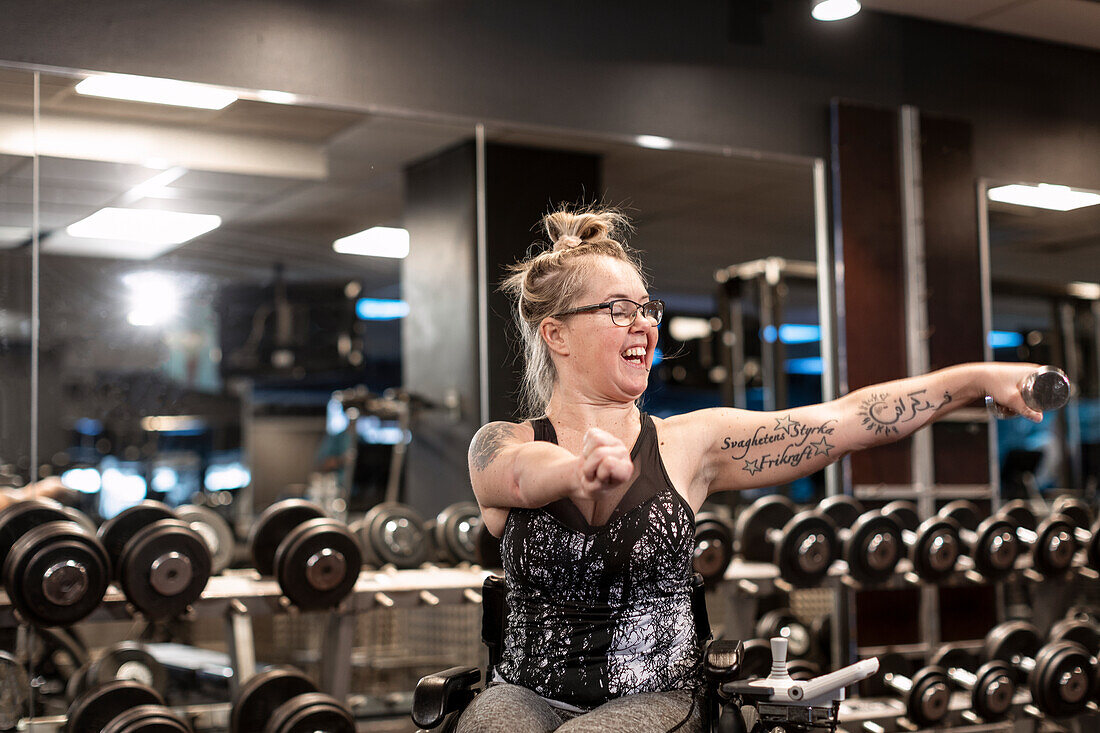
x=604, y=464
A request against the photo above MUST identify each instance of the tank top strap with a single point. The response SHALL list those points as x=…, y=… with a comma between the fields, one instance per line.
x=544, y=430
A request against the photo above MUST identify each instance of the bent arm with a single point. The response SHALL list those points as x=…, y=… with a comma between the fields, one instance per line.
x=508, y=468
x=754, y=449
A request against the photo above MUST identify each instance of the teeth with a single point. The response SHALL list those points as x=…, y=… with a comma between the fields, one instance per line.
x=635, y=351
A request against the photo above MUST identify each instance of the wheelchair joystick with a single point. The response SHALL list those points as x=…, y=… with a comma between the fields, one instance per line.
x=798, y=705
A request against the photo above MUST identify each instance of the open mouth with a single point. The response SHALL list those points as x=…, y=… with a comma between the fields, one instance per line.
x=635, y=355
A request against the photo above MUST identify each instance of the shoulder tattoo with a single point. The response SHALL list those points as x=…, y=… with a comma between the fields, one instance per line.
x=488, y=443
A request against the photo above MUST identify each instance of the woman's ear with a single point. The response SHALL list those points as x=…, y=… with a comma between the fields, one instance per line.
x=554, y=333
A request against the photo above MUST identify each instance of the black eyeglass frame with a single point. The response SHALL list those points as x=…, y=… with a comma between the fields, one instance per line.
x=610, y=307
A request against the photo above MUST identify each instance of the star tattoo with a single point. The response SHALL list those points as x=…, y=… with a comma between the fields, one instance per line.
x=787, y=425
x=822, y=447
x=753, y=467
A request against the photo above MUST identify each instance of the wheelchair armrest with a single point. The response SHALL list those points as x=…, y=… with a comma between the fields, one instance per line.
x=441, y=693
x=722, y=662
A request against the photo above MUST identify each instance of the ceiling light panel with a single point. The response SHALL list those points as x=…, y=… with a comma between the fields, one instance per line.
x=1044, y=196
x=156, y=91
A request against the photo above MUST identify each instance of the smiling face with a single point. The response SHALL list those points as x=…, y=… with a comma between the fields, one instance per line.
x=593, y=355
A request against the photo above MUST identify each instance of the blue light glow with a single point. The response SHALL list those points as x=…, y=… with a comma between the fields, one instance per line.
x=88, y=426
x=768, y=333
x=808, y=365
x=799, y=333
x=375, y=309
x=84, y=480
x=1005, y=339
x=658, y=356
x=227, y=476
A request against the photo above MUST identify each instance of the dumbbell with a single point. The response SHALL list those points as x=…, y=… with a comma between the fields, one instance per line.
x=991, y=685
x=393, y=534
x=123, y=706
x=214, y=530
x=871, y=541
x=456, y=532
x=315, y=558
x=1075, y=511
x=802, y=545
x=284, y=700
x=1059, y=674
x=713, y=546
x=127, y=660
x=925, y=694
x=1047, y=388
x=1085, y=633
x=990, y=543
x=54, y=569
x=161, y=564
x=782, y=623
x=934, y=545
x=1051, y=542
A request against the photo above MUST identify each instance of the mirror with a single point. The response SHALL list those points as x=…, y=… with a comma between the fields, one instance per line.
x=1045, y=278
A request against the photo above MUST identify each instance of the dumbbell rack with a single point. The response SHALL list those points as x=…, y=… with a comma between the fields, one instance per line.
x=238, y=596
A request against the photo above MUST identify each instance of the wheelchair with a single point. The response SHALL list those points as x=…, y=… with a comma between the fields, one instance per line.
x=440, y=698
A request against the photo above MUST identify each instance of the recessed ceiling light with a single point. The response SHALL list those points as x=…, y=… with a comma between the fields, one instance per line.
x=834, y=9
x=653, y=141
x=273, y=97
x=1044, y=196
x=375, y=242
x=156, y=91
x=144, y=225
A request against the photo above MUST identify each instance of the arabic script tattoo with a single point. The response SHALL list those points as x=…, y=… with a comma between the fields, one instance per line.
x=882, y=413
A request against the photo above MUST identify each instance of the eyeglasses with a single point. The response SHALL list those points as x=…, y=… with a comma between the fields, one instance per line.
x=623, y=312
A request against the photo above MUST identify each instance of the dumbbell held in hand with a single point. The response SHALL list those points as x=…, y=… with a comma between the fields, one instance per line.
x=1047, y=388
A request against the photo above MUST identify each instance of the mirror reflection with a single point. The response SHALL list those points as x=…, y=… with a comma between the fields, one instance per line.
x=1043, y=243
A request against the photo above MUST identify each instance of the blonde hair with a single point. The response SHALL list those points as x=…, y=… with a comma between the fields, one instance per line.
x=548, y=282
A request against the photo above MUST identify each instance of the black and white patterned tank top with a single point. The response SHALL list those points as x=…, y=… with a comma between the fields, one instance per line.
x=597, y=612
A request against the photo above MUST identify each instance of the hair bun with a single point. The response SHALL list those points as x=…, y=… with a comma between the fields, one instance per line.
x=567, y=241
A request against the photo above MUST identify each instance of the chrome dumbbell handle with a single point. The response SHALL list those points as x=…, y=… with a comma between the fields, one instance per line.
x=1045, y=389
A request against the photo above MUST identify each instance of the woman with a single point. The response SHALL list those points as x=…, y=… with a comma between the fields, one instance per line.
x=595, y=500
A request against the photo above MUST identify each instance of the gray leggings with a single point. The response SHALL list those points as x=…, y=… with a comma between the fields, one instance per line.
x=513, y=709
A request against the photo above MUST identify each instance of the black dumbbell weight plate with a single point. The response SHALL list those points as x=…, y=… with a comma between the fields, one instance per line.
x=1079, y=631
x=949, y=656
x=313, y=711
x=127, y=660
x=318, y=563
x=1011, y=641
x=994, y=688
x=214, y=530
x=95, y=708
x=937, y=548
x=1076, y=510
x=396, y=535
x=1092, y=550
x=1020, y=513
x=996, y=548
x=456, y=531
x=755, y=522
x=713, y=546
x=873, y=548
x=904, y=513
x=117, y=531
x=783, y=623
x=262, y=693
x=15, y=689
x=21, y=517
x=843, y=509
x=164, y=569
x=148, y=719
x=928, y=699
x=1062, y=680
x=1054, y=550
x=56, y=574
x=807, y=548
x=273, y=526
x=964, y=512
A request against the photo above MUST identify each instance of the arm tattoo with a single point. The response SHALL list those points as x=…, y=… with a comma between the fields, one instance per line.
x=882, y=413
x=488, y=443
x=790, y=442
